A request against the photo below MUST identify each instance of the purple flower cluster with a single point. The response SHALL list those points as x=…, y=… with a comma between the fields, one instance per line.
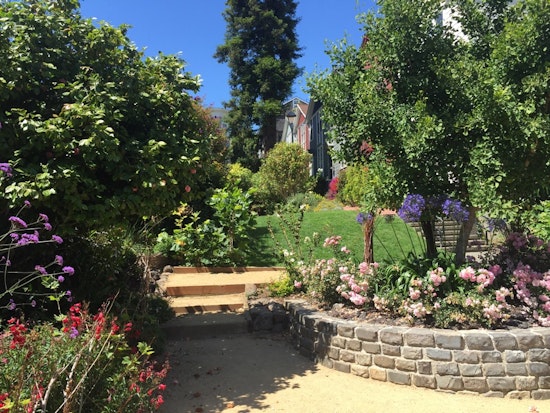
x=415, y=205
x=363, y=217
x=412, y=208
x=453, y=209
x=6, y=168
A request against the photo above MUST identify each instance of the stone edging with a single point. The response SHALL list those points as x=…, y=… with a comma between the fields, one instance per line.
x=507, y=363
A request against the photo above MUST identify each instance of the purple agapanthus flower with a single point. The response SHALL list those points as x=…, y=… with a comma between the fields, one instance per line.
x=412, y=208
x=453, y=209
x=362, y=217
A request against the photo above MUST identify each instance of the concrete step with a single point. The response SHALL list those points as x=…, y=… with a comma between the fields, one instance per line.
x=209, y=325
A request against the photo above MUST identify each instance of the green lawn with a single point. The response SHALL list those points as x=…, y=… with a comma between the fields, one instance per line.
x=393, y=239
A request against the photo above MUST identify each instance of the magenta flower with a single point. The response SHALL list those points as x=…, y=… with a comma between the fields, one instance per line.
x=59, y=260
x=28, y=239
x=68, y=270
x=43, y=217
x=40, y=269
x=60, y=278
x=27, y=204
x=6, y=168
x=57, y=239
x=18, y=222
x=47, y=226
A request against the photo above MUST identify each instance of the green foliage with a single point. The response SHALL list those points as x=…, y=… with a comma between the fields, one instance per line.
x=95, y=132
x=222, y=240
x=239, y=176
x=309, y=199
x=284, y=172
x=283, y=287
x=538, y=220
x=260, y=49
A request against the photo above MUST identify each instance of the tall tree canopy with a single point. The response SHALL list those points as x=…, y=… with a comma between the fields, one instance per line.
x=94, y=132
x=460, y=110
x=260, y=48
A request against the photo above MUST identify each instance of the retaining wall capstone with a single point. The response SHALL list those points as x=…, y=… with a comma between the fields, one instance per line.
x=511, y=363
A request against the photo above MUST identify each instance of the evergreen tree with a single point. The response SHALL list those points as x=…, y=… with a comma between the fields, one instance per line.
x=260, y=48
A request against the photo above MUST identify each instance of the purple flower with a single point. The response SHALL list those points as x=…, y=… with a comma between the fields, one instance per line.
x=47, y=226
x=27, y=204
x=6, y=168
x=59, y=260
x=453, y=209
x=28, y=239
x=412, y=208
x=14, y=236
x=57, y=239
x=11, y=305
x=18, y=222
x=40, y=269
x=33, y=303
x=68, y=270
x=60, y=278
x=362, y=217
x=43, y=217
x=73, y=333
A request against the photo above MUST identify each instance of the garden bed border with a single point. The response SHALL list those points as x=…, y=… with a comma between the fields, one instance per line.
x=513, y=363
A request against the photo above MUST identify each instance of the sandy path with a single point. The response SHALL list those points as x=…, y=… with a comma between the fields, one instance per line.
x=245, y=373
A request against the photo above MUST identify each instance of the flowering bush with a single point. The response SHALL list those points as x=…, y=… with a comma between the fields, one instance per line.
x=83, y=364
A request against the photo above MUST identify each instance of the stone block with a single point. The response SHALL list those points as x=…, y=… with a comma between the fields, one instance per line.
x=390, y=350
x=346, y=329
x=412, y=353
x=540, y=394
x=439, y=354
x=538, y=369
x=493, y=370
x=358, y=370
x=367, y=333
x=504, y=341
x=475, y=384
x=419, y=337
x=516, y=369
x=539, y=354
x=354, y=345
x=503, y=384
x=526, y=383
x=424, y=367
x=347, y=356
x=527, y=340
x=491, y=357
x=363, y=359
x=338, y=341
x=341, y=366
x=384, y=361
x=376, y=373
x=333, y=353
x=392, y=335
x=470, y=370
x=399, y=377
x=405, y=365
x=466, y=357
x=449, y=341
x=449, y=383
x=447, y=369
x=326, y=327
x=544, y=382
x=514, y=356
x=478, y=341
x=518, y=395
x=371, y=348
x=420, y=380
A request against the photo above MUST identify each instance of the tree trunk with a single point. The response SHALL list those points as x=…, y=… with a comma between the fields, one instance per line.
x=368, y=232
x=464, y=236
x=429, y=236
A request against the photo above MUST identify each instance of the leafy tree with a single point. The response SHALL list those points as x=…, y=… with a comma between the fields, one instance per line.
x=462, y=113
x=260, y=48
x=95, y=132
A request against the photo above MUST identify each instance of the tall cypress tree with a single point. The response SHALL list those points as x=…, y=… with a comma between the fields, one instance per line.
x=260, y=47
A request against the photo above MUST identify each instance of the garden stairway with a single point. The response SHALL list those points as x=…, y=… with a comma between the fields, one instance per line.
x=212, y=301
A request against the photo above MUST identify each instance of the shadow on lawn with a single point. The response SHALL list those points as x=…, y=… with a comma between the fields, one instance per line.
x=262, y=253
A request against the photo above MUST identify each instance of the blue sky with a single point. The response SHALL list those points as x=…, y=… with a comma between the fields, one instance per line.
x=194, y=28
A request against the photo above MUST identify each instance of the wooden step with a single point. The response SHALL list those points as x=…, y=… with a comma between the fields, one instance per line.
x=208, y=304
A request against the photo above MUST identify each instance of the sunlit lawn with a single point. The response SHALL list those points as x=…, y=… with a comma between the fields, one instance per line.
x=393, y=238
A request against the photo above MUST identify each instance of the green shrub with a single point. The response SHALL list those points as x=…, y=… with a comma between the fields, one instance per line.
x=310, y=199
x=352, y=188
x=239, y=176
x=284, y=172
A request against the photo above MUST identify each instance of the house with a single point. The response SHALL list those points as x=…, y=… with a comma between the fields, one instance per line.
x=291, y=125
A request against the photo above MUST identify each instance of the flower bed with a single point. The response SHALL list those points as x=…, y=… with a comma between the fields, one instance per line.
x=512, y=363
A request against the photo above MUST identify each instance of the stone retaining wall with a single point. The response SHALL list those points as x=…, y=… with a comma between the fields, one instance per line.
x=506, y=363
